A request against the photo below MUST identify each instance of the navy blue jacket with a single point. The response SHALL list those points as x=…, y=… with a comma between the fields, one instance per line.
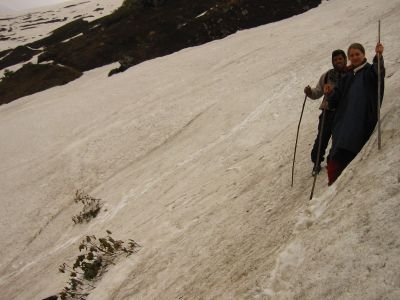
x=355, y=99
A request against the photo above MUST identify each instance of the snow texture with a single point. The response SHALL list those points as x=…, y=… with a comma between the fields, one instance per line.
x=191, y=154
x=36, y=23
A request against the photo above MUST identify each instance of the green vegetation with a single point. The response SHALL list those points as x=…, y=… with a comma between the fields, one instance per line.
x=91, y=207
x=98, y=254
x=7, y=74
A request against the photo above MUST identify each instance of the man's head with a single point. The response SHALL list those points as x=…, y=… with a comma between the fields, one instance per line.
x=339, y=59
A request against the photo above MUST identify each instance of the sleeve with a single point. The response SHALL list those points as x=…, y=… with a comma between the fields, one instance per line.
x=335, y=97
x=374, y=72
x=318, y=91
x=375, y=66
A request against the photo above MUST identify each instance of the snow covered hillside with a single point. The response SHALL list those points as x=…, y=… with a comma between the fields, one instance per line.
x=191, y=154
x=5, y=9
x=18, y=28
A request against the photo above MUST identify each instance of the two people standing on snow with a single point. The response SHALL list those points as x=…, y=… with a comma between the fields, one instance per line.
x=354, y=103
x=328, y=81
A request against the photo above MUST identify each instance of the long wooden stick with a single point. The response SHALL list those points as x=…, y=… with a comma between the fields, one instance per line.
x=297, y=138
x=379, y=90
x=319, y=152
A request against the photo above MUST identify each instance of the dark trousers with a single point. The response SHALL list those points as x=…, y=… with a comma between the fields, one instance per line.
x=326, y=135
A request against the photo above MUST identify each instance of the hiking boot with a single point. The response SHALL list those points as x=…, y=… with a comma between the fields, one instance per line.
x=316, y=170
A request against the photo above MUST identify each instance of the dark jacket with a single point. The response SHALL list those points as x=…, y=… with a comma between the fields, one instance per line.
x=331, y=77
x=355, y=99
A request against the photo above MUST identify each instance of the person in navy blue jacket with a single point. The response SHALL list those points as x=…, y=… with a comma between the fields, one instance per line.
x=355, y=99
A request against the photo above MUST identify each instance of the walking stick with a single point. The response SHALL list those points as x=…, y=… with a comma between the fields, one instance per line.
x=297, y=138
x=379, y=90
x=319, y=152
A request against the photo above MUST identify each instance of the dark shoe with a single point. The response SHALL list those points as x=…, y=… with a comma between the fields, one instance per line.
x=316, y=170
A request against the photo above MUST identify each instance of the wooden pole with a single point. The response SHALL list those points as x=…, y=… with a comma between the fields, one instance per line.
x=319, y=152
x=379, y=90
x=297, y=138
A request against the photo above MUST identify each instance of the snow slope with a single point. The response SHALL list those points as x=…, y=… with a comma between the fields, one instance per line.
x=191, y=154
x=33, y=24
x=5, y=9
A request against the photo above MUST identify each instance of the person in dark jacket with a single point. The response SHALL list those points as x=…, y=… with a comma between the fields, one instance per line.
x=330, y=78
x=356, y=102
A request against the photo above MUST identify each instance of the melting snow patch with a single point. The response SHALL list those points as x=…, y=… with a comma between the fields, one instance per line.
x=293, y=255
x=67, y=40
x=202, y=14
x=315, y=210
x=286, y=264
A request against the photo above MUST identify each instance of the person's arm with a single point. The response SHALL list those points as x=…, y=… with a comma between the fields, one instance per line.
x=375, y=66
x=335, y=96
x=318, y=91
x=379, y=51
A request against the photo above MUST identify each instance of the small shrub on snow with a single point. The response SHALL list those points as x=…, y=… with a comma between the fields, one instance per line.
x=98, y=254
x=7, y=74
x=91, y=207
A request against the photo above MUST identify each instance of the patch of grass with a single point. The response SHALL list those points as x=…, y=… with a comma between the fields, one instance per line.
x=7, y=74
x=33, y=78
x=90, y=207
x=98, y=254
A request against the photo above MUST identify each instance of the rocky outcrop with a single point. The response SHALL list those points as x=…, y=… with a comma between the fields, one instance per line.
x=143, y=33
x=33, y=78
x=145, y=29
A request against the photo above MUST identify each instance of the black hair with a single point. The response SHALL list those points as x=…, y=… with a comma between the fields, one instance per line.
x=339, y=52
